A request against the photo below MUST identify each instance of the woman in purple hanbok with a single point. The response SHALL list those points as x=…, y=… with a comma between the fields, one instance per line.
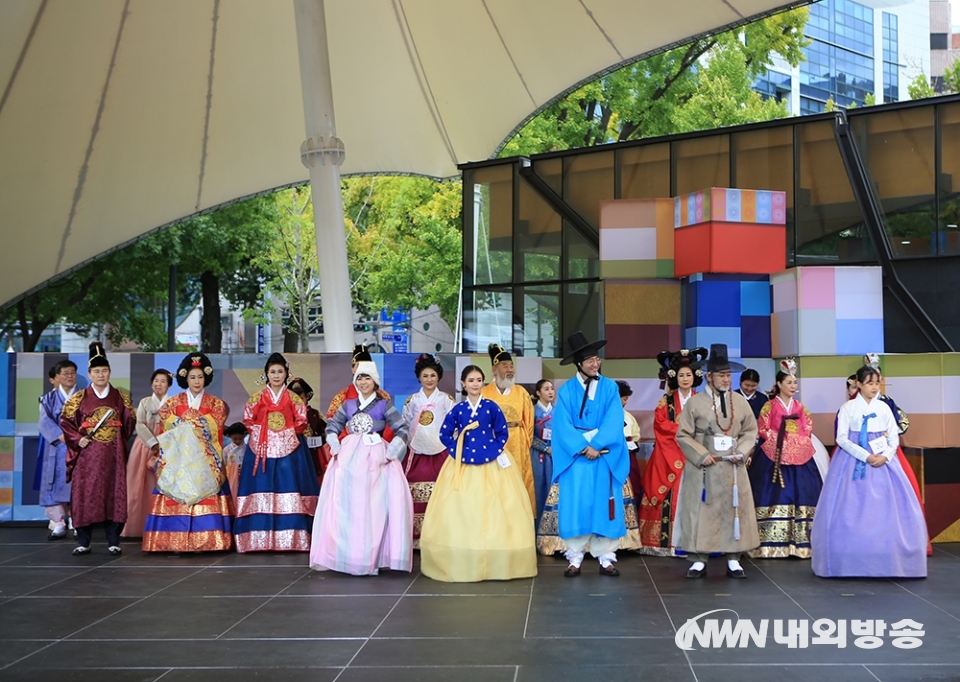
x=868, y=521
x=364, y=519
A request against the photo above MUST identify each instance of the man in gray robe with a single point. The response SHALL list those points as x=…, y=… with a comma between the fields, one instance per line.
x=717, y=433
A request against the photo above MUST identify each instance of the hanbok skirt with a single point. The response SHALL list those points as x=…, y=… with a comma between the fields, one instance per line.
x=276, y=503
x=548, y=530
x=140, y=484
x=364, y=517
x=542, y=476
x=784, y=515
x=233, y=478
x=203, y=527
x=421, y=472
x=871, y=527
x=478, y=525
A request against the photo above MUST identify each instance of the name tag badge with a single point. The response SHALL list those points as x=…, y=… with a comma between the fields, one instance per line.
x=547, y=434
x=722, y=443
x=503, y=461
x=315, y=442
x=878, y=445
x=372, y=439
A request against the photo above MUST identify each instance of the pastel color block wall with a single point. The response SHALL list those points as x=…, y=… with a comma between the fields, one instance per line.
x=642, y=317
x=730, y=309
x=730, y=206
x=827, y=310
x=636, y=239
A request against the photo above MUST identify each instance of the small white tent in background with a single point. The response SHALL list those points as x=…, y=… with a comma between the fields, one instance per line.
x=118, y=117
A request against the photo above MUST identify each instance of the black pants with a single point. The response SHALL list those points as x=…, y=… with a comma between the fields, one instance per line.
x=112, y=528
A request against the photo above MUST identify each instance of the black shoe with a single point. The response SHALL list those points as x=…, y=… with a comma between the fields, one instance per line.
x=739, y=574
x=114, y=549
x=696, y=573
x=610, y=570
x=77, y=551
x=572, y=572
x=57, y=536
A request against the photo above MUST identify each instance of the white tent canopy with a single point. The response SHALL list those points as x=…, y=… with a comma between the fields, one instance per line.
x=120, y=116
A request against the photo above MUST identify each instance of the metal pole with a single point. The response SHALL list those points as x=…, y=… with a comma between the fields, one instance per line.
x=172, y=310
x=322, y=153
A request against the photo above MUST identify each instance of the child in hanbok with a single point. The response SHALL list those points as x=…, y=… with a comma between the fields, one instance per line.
x=424, y=413
x=868, y=522
x=477, y=525
x=541, y=456
x=783, y=473
x=233, y=455
x=278, y=488
x=364, y=518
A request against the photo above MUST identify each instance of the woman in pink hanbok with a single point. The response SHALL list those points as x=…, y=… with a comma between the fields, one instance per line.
x=364, y=519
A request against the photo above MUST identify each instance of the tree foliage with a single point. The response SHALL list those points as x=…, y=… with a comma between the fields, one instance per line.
x=705, y=84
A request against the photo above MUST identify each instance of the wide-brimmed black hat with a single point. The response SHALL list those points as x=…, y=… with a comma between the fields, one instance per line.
x=194, y=361
x=719, y=360
x=98, y=356
x=581, y=348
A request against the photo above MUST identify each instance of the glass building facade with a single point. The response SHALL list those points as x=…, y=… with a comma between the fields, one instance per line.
x=531, y=256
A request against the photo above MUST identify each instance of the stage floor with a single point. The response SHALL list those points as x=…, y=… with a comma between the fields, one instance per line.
x=218, y=617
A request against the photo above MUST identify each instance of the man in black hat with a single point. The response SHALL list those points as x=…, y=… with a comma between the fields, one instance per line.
x=590, y=460
x=717, y=432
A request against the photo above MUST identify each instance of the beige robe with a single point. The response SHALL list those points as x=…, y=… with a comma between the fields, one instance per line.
x=518, y=409
x=708, y=526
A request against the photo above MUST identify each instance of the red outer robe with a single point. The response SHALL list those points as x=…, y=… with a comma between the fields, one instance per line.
x=99, y=471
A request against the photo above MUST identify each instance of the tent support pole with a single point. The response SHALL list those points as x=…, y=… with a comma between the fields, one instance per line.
x=322, y=153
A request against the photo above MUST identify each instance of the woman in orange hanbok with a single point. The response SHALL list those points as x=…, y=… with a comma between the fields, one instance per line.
x=192, y=507
x=660, y=482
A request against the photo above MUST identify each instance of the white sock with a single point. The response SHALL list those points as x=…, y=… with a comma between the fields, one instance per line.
x=575, y=558
x=698, y=566
x=607, y=560
x=734, y=565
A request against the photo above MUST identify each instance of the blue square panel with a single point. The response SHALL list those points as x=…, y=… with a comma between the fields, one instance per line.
x=705, y=336
x=718, y=304
x=755, y=298
x=857, y=337
x=755, y=341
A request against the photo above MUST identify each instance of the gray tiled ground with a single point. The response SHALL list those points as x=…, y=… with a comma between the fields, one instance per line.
x=218, y=617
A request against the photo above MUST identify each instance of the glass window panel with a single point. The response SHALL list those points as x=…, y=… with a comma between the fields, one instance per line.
x=949, y=237
x=701, y=163
x=588, y=179
x=583, y=258
x=897, y=148
x=538, y=237
x=763, y=159
x=581, y=311
x=644, y=171
x=829, y=224
x=487, y=318
x=541, y=321
x=492, y=247
x=551, y=170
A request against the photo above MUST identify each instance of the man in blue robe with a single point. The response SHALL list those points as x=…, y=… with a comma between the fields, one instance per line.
x=590, y=460
x=54, y=489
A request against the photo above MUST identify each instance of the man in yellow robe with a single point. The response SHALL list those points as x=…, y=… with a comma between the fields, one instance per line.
x=517, y=407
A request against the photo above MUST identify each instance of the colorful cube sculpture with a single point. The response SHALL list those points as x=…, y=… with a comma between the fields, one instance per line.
x=713, y=226
x=636, y=239
x=730, y=309
x=827, y=310
x=642, y=318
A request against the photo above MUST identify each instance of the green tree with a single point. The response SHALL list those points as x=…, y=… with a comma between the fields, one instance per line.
x=404, y=243
x=289, y=261
x=651, y=97
x=920, y=87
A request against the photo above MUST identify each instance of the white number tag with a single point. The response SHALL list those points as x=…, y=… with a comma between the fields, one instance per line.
x=722, y=443
x=503, y=461
x=372, y=439
x=878, y=445
x=315, y=442
x=547, y=434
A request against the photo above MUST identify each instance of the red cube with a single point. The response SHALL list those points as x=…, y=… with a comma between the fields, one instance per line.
x=717, y=247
